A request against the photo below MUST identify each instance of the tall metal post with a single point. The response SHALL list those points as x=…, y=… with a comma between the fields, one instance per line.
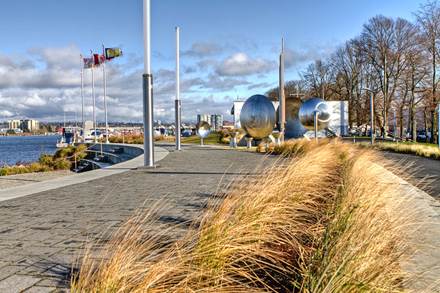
x=282, y=106
x=93, y=95
x=82, y=98
x=372, y=116
x=105, y=95
x=147, y=92
x=177, y=102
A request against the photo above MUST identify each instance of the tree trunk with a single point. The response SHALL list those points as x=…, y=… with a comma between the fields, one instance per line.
x=434, y=126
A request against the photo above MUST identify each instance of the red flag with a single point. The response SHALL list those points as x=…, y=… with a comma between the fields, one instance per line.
x=98, y=59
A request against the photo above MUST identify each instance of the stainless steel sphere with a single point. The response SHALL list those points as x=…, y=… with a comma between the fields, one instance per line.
x=258, y=116
x=307, y=116
x=203, y=129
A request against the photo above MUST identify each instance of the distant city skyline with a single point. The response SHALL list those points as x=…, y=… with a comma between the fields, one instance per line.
x=229, y=49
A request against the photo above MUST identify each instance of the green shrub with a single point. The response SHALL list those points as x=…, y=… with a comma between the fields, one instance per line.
x=80, y=148
x=61, y=164
x=46, y=160
x=4, y=171
x=34, y=167
x=45, y=169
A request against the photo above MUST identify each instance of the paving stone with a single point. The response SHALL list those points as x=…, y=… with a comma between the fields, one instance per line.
x=8, y=271
x=55, y=282
x=39, y=289
x=16, y=283
x=39, y=251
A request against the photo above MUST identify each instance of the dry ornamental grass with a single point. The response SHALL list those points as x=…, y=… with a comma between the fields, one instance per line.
x=321, y=221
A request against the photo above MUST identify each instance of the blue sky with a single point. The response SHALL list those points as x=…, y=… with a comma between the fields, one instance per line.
x=228, y=48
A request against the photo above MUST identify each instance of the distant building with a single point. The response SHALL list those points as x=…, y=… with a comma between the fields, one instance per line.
x=204, y=117
x=24, y=124
x=14, y=124
x=216, y=121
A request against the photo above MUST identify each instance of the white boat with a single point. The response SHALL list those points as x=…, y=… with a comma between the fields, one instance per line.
x=68, y=138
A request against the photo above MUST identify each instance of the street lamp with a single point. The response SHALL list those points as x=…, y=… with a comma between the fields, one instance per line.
x=371, y=112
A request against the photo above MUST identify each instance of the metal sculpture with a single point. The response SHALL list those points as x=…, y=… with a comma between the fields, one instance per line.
x=203, y=130
x=233, y=136
x=258, y=116
x=249, y=141
x=277, y=136
x=267, y=140
x=312, y=107
x=315, y=114
x=293, y=127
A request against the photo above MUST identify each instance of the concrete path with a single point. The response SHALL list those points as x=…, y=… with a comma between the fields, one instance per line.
x=40, y=233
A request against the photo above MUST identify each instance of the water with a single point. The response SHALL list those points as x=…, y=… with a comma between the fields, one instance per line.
x=26, y=148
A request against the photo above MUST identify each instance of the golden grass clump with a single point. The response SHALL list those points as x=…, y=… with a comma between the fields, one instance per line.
x=164, y=138
x=421, y=150
x=129, y=138
x=321, y=222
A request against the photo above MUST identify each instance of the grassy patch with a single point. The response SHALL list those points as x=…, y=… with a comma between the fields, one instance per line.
x=320, y=223
x=212, y=138
x=418, y=149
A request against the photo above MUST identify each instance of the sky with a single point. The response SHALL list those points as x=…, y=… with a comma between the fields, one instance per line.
x=229, y=50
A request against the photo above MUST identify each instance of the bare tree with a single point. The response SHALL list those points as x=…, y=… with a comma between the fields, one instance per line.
x=318, y=78
x=291, y=88
x=346, y=64
x=415, y=73
x=384, y=42
x=429, y=19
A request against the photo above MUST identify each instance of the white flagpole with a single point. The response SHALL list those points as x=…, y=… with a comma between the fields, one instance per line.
x=82, y=97
x=105, y=94
x=177, y=103
x=93, y=95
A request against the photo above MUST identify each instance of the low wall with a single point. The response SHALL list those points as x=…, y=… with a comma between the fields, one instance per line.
x=130, y=149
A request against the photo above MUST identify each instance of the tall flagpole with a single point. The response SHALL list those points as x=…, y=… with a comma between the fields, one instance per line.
x=105, y=94
x=93, y=95
x=82, y=97
x=147, y=92
x=177, y=104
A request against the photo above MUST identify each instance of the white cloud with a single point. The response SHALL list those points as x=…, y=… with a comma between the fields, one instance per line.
x=34, y=100
x=44, y=83
x=240, y=64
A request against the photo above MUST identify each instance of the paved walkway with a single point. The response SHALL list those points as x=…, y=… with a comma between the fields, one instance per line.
x=41, y=232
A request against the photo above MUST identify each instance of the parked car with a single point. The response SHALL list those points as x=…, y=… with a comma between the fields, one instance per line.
x=422, y=135
x=185, y=134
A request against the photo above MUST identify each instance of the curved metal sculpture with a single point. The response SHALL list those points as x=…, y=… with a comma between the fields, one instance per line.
x=307, y=113
x=203, y=129
x=293, y=127
x=258, y=116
